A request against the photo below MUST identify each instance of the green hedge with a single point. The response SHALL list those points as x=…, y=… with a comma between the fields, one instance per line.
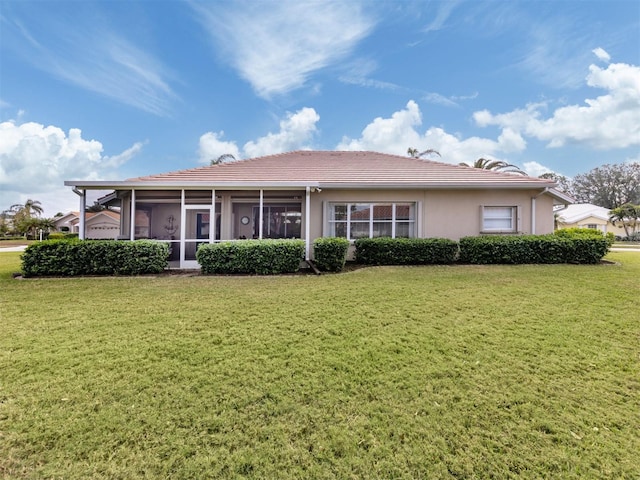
x=262, y=257
x=330, y=253
x=94, y=257
x=521, y=249
x=405, y=251
x=585, y=233
x=61, y=236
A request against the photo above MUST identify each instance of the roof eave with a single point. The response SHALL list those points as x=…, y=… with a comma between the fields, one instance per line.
x=176, y=185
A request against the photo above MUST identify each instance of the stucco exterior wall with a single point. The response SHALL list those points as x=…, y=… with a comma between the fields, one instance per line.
x=444, y=213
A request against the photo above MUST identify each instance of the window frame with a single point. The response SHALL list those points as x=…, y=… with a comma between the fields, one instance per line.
x=514, y=219
x=410, y=224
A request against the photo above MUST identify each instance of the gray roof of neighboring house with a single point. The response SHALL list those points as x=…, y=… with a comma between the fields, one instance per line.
x=579, y=211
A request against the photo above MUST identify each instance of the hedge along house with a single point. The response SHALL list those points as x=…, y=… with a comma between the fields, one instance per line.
x=311, y=194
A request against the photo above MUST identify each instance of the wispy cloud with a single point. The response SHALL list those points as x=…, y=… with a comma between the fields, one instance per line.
x=91, y=56
x=277, y=46
x=444, y=11
x=359, y=73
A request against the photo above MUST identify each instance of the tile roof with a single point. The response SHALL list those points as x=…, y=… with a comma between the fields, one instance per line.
x=342, y=168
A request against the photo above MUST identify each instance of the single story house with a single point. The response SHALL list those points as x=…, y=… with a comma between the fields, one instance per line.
x=311, y=194
x=587, y=215
x=98, y=225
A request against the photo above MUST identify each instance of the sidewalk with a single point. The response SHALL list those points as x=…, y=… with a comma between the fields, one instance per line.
x=13, y=249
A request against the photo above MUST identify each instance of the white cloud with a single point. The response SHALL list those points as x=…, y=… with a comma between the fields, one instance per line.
x=401, y=131
x=391, y=135
x=535, y=169
x=36, y=159
x=602, y=54
x=276, y=46
x=608, y=121
x=295, y=131
x=91, y=56
x=212, y=147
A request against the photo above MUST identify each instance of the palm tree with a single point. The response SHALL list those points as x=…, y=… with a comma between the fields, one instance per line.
x=413, y=152
x=29, y=209
x=628, y=216
x=495, y=165
x=25, y=215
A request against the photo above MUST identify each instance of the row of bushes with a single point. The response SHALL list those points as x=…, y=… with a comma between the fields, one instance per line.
x=532, y=249
x=94, y=257
x=576, y=245
x=272, y=257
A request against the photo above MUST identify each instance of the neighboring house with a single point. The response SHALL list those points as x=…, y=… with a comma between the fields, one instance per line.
x=586, y=215
x=98, y=225
x=311, y=194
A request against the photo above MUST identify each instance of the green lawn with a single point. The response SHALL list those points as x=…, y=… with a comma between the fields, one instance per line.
x=390, y=372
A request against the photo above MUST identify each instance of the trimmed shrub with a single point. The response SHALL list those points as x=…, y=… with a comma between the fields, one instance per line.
x=521, y=249
x=330, y=253
x=585, y=233
x=94, y=257
x=262, y=257
x=405, y=251
x=56, y=236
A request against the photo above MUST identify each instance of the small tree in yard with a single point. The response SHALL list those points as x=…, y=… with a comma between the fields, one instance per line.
x=627, y=215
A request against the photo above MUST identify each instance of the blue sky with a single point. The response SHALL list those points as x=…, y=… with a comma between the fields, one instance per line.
x=109, y=90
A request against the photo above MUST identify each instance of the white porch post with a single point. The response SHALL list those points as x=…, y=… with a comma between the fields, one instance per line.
x=261, y=213
x=83, y=215
x=307, y=228
x=183, y=227
x=212, y=217
x=132, y=226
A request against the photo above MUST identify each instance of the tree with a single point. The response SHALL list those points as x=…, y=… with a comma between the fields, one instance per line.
x=495, y=165
x=5, y=223
x=24, y=216
x=564, y=183
x=413, y=152
x=96, y=207
x=609, y=186
x=222, y=158
x=627, y=215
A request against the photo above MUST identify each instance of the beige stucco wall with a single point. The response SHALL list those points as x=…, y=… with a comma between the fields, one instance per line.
x=445, y=213
x=440, y=213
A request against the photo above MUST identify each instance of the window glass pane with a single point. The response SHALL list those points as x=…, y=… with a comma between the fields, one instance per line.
x=359, y=229
x=338, y=229
x=383, y=212
x=360, y=212
x=338, y=212
x=497, y=224
x=382, y=229
x=404, y=211
x=498, y=218
x=404, y=230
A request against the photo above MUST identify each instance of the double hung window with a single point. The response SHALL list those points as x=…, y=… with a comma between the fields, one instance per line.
x=499, y=219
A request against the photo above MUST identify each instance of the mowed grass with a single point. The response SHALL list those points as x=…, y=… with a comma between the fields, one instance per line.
x=414, y=372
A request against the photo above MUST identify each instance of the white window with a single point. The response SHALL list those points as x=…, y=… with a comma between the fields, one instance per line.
x=499, y=219
x=369, y=220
